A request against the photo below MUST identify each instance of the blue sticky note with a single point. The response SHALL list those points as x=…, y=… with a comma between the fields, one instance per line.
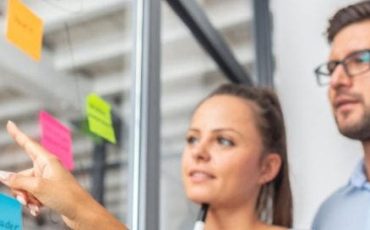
x=10, y=213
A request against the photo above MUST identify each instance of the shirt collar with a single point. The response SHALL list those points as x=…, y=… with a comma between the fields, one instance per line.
x=358, y=178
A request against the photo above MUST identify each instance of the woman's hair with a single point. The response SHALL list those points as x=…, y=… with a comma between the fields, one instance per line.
x=274, y=202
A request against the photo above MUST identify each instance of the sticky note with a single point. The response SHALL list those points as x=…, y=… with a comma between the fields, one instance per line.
x=24, y=29
x=99, y=117
x=10, y=213
x=56, y=138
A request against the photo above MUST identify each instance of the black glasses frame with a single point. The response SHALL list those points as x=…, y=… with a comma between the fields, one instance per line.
x=335, y=63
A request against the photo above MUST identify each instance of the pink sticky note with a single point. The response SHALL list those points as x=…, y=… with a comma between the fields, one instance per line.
x=56, y=138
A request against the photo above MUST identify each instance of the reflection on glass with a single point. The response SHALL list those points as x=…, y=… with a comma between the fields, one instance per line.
x=86, y=49
x=188, y=75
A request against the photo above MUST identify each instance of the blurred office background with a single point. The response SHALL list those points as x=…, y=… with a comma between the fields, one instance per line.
x=88, y=47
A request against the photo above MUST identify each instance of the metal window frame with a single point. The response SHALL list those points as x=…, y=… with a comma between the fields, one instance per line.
x=145, y=130
x=145, y=98
x=98, y=171
x=99, y=160
x=208, y=37
x=263, y=42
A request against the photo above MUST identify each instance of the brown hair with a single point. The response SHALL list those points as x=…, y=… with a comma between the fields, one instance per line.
x=348, y=15
x=275, y=199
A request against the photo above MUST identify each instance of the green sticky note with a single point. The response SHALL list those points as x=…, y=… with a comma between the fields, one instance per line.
x=10, y=213
x=99, y=117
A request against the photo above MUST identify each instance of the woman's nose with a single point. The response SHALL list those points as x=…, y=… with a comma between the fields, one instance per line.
x=201, y=151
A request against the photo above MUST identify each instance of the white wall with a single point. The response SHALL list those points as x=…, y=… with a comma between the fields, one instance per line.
x=321, y=159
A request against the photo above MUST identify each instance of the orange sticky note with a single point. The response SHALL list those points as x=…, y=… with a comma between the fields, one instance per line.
x=24, y=29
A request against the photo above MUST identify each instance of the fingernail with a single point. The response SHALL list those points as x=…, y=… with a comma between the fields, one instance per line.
x=33, y=212
x=21, y=200
x=10, y=123
x=34, y=207
x=4, y=175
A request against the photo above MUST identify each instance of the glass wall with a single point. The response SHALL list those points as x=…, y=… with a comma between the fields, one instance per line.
x=86, y=48
x=188, y=75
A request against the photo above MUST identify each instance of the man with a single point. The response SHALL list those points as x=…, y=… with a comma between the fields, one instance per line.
x=348, y=76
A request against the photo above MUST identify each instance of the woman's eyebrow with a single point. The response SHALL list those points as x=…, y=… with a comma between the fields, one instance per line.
x=227, y=129
x=193, y=130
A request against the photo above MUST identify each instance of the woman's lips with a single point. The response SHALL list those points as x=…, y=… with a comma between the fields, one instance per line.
x=200, y=176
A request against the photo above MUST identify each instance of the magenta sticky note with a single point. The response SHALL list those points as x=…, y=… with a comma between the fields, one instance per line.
x=56, y=138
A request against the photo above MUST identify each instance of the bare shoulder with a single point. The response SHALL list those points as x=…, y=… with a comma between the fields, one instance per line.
x=265, y=226
x=276, y=228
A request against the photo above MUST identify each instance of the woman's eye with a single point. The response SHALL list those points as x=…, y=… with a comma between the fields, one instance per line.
x=224, y=141
x=191, y=140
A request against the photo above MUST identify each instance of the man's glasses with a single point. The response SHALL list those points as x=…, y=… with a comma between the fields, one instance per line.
x=354, y=64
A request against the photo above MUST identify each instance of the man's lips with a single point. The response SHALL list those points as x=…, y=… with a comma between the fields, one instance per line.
x=344, y=102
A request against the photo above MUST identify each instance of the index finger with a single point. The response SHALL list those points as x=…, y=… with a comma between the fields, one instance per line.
x=32, y=148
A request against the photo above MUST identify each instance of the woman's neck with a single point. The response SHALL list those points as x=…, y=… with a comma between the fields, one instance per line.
x=243, y=217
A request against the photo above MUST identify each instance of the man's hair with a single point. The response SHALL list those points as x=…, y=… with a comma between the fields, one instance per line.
x=348, y=15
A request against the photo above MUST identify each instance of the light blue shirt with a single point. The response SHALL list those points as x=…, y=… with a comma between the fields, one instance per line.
x=349, y=207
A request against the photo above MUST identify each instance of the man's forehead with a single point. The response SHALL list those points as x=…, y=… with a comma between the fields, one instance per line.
x=352, y=38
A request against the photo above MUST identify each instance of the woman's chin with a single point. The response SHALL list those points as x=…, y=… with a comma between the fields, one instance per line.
x=199, y=197
x=199, y=200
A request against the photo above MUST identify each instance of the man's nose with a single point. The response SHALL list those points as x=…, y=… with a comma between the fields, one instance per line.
x=340, y=77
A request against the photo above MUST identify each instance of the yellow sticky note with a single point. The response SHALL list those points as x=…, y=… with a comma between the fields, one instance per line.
x=99, y=117
x=24, y=29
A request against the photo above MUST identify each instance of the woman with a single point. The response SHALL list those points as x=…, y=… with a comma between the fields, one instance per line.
x=235, y=161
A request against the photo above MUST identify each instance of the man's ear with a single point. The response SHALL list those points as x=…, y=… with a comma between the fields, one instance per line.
x=270, y=167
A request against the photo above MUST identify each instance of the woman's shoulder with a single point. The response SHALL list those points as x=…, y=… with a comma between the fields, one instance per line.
x=274, y=227
x=265, y=226
x=277, y=228
x=283, y=228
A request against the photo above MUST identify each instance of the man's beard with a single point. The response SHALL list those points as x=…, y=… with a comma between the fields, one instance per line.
x=358, y=131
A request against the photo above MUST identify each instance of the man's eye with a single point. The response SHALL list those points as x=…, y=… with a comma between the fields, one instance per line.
x=359, y=58
x=365, y=57
x=224, y=141
x=331, y=67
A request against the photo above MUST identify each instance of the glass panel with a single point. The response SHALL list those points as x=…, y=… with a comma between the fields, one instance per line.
x=234, y=21
x=188, y=75
x=86, y=48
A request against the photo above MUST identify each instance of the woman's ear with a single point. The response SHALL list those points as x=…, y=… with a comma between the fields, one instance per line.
x=270, y=167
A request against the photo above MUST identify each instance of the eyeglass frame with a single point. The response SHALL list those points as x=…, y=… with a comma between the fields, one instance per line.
x=341, y=62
